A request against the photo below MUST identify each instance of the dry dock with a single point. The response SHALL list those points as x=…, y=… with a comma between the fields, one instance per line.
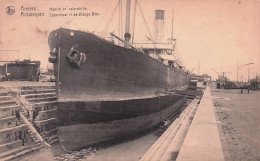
x=221, y=125
x=27, y=118
x=225, y=127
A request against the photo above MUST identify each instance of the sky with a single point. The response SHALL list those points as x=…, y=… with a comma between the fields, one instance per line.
x=213, y=36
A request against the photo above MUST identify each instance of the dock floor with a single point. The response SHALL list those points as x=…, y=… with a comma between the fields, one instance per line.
x=238, y=117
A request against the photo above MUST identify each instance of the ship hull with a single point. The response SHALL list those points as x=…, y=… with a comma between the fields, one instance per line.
x=77, y=135
x=107, y=91
x=71, y=113
x=110, y=72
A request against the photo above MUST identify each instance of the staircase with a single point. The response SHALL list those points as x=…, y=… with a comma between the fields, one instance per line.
x=16, y=139
x=40, y=108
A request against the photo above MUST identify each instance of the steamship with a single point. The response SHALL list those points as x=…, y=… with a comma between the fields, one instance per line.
x=107, y=91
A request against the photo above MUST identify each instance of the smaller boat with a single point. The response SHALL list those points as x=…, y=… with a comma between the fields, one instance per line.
x=25, y=70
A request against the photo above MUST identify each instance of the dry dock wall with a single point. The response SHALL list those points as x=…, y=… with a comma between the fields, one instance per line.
x=203, y=141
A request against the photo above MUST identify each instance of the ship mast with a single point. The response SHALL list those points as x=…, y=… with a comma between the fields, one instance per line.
x=127, y=24
x=172, y=24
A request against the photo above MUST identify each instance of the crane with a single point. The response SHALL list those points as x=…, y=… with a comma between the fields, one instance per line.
x=192, y=69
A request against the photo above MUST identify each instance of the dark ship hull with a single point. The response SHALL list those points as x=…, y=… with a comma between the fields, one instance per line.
x=107, y=91
x=79, y=135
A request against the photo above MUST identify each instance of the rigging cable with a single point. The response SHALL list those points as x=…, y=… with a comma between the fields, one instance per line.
x=101, y=19
x=110, y=20
x=146, y=24
x=178, y=56
x=118, y=26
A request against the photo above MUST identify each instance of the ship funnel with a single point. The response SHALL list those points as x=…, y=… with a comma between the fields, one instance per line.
x=159, y=25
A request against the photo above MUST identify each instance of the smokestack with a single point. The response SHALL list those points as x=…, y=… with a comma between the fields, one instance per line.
x=158, y=25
